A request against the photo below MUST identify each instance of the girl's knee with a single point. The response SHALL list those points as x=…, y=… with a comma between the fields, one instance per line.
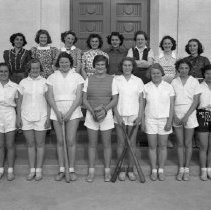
x=30, y=143
x=41, y=144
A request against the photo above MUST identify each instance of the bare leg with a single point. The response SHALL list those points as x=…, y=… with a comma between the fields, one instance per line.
x=180, y=145
x=209, y=152
x=188, y=146
x=71, y=131
x=59, y=145
x=203, y=138
x=93, y=138
x=40, y=141
x=10, y=139
x=162, y=150
x=152, y=142
x=120, y=140
x=30, y=139
x=2, y=150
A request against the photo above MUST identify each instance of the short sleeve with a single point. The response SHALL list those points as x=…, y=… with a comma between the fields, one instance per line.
x=114, y=87
x=197, y=89
x=130, y=53
x=50, y=80
x=206, y=61
x=141, y=86
x=172, y=93
x=145, y=91
x=151, y=54
x=80, y=79
x=85, y=85
x=21, y=87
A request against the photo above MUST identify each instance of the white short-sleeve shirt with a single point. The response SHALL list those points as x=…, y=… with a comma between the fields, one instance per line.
x=8, y=93
x=129, y=93
x=158, y=99
x=140, y=51
x=184, y=93
x=205, y=96
x=34, y=105
x=113, y=88
x=65, y=86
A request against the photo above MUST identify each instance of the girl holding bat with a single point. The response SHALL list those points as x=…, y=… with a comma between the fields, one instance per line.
x=65, y=97
x=99, y=97
x=159, y=101
x=204, y=120
x=128, y=110
x=33, y=116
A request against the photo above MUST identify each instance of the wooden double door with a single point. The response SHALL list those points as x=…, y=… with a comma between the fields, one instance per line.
x=105, y=16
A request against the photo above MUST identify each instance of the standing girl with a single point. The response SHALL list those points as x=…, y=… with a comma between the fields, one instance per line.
x=187, y=92
x=159, y=100
x=33, y=116
x=8, y=96
x=99, y=97
x=65, y=97
x=129, y=110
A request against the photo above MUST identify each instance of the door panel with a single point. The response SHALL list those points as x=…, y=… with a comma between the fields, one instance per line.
x=105, y=16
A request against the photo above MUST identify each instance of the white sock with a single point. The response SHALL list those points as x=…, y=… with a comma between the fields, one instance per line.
x=1, y=170
x=71, y=170
x=38, y=170
x=160, y=170
x=91, y=170
x=107, y=170
x=154, y=170
x=182, y=169
x=186, y=170
x=32, y=170
x=10, y=170
x=61, y=169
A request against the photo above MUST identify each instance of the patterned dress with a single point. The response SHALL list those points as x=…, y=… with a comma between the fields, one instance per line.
x=167, y=62
x=47, y=56
x=87, y=60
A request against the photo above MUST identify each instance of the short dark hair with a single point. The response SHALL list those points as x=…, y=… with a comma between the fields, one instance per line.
x=182, y=61
x=28, y=66
x=42, y=31
x=99, y=58
x=140, y=33
x=173, y=41
x=64, y=34
x=64, y=55
x=200, y=47
x=127, y=59
x=5, y=64
x=13, y=36
x=115, y=33
x=92, y=36
x=154, y=66
x=206, y=68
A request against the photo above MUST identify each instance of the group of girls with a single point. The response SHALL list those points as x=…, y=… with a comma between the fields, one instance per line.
x=117, y=88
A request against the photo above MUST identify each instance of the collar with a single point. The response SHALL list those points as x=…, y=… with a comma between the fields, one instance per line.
x=64, y=49
x=173, y=54
x=43, y=48
x=33, y=79
x=141, y=49
x=9, y=84
x=13, y=51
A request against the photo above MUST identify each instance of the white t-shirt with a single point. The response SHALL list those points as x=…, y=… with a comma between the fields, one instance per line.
x=184, y=93
x=129, y=93
x=8, y=93
x=158, y=99
x=34, y=105
x=205, y=96
x=65, y=86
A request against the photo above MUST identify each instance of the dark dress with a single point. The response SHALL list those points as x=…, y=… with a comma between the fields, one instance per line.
x=17, y=63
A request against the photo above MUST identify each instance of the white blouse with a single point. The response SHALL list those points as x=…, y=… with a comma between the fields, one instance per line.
x=157, y=99
x=34, y=105
x=129, y=92
x=205, y=96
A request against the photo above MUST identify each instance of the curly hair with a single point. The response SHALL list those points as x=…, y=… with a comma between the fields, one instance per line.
x=206, y=68
x=140, y=33
x=64, y=34
x=183, y=61
x=115, y=33
x=64, y=55
x=28, y=66
x=13, y=36
x=127, y=59
x=92, y=36
x=155, y=66
x=173, y=41
x=42, y=31
x=200, y=47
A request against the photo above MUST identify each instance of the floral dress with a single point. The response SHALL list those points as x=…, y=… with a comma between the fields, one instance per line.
x=47, y=56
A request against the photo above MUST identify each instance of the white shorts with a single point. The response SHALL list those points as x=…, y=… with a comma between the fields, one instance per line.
x=156, y=126
x=180, y=111
x=63, y=107
x=7, y=119
x=128, y=120
x=34, y=125
x=106, y=124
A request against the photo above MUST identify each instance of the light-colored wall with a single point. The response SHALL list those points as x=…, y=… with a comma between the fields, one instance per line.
x=182, y=19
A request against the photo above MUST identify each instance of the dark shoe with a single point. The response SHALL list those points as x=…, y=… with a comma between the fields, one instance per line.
x=59, y=176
